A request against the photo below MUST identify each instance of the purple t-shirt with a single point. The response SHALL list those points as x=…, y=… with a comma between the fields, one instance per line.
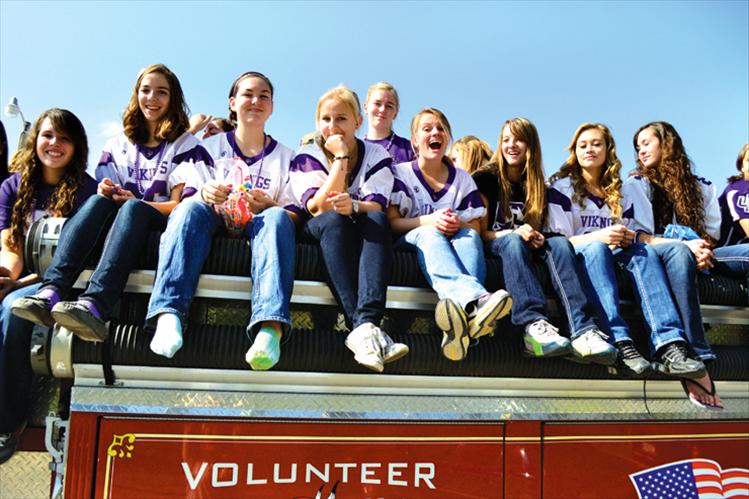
x=399, y=148
x=734, y=206
x=9, y=192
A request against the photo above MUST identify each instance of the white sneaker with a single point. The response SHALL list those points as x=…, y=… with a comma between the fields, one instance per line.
x=391, y=351
x=543, y=340
x=489, y=310
x=365, y=343
x=592, y=346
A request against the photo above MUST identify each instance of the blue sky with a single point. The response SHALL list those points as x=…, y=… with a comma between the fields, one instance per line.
x=557, y=63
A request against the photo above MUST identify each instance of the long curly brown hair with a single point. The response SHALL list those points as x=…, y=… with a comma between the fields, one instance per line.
x=611, y=181
x=533, y=172
x=27, y=163
x=676, y=190
x=739, y=161
x=174, y=123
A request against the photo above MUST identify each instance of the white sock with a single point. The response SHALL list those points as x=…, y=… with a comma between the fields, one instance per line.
x=168, y=337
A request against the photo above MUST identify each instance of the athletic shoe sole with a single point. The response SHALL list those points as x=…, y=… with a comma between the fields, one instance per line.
x=395, y=353
x=603, y=358
x=33, y=311
x=451, y=319
x=535, y=349
x=499, y=305
x=80, y=322
x=679, y=374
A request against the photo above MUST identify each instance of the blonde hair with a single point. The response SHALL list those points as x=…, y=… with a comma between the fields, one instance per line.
x=174, y=123
x=610, y=181
x=383, y=85
x=473, y=152
x=743, y=152
x=348, y=97
x=533, y=172
x=441, y=118
x=345, y=95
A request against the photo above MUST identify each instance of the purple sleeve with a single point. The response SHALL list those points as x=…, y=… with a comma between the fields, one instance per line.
x=555, y=197
x=8, y=191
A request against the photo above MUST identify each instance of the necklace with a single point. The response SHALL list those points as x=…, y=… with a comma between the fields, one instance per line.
x=138, y=152
x=260, y=168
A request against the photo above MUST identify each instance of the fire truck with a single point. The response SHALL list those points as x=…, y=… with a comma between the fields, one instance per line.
x=114, y=420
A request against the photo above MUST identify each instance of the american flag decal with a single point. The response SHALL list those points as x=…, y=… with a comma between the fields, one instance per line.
x=692, y=478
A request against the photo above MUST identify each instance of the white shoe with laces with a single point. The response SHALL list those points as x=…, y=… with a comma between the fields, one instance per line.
x=591, y=346
x=391, y=351
x=543, y=340
x=364, y=341
x=489, y=309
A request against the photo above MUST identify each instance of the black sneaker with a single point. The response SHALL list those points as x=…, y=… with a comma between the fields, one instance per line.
x=673, y=360
x=8, y=444
x=629, y=362
x=81, y=318
x=35, y=308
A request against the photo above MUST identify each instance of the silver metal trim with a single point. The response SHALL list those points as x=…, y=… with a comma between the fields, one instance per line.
x=360, y=397
x=384, y=384
x=398, y=297
x=61, y=352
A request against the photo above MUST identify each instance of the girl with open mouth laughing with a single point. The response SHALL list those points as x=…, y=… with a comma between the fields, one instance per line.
x=437, y=210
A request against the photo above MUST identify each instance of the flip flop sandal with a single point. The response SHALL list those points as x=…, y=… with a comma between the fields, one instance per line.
x=692, y=399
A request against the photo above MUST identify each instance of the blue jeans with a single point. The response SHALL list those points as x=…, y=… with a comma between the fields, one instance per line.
x=358, y=256
x=528, y=300
x=185, y=245
x=649, y=282
x=15, y=368
x=454, y=266
x=733, y=261
x=126, y=229
x=681, y=270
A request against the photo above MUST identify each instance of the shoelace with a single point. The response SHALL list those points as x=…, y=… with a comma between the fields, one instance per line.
x=545, y=330
x=629, y=351
x=372, y=343
x=4, y=437
x=600, y=334
x=382, y=338
x=674, y=353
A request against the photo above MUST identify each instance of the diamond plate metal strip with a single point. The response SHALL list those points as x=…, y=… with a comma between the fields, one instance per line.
x=25, y=475
x=45, y=398
x=353, y=406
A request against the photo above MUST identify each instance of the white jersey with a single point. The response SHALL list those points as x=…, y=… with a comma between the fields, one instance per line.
x=370, y=180
x=147, y=172
x=567, y=217
x=415, y=197
x=221, y=159
x=639, y=193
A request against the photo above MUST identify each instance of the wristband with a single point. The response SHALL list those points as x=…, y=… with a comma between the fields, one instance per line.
x=337, y=158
